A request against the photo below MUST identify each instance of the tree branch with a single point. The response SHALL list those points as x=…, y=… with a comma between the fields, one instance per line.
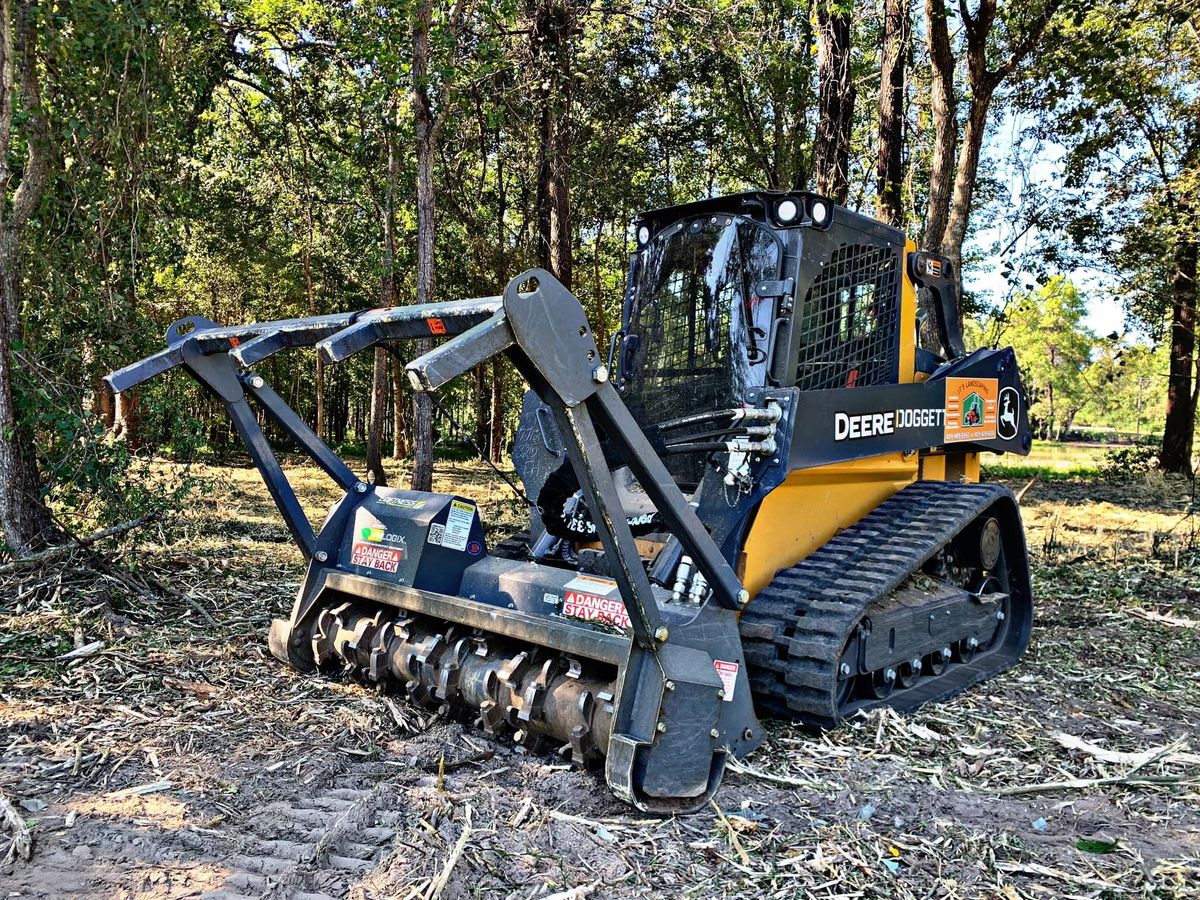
x=37, y=159
x=1027, y=43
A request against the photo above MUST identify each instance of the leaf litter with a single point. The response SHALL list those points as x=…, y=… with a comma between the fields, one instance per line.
x=151, y=747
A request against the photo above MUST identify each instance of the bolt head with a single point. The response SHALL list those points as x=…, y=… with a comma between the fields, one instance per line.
x=844, y=668
x=720, y=693
x=257, y=381
x=945, y=653
x=662, y=727
x=600, y=374
x=999, y=615
x=747, y=734
x=670, y=685
x=360, y=487
x=715, y=733
x=322, y=556
x=743, y=597
x=972, y=643
x=661, y=634
x=916, y=664
x=889, y=675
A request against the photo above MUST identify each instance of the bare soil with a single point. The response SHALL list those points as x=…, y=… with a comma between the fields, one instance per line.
x=180, y=759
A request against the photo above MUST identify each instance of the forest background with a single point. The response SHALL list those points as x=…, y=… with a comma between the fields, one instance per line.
x=261, y=159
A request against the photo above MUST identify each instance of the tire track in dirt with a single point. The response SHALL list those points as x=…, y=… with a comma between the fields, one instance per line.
x=316, y=848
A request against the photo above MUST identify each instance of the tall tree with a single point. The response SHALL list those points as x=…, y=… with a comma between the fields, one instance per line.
x=889, y=165
x=1128, y=117
x=747, y=72
x=24, y=136
x=425, y=130
x=552, y=25
x=388, y=297
x=1179, y=428
x=836, y=94
x=1012, y=34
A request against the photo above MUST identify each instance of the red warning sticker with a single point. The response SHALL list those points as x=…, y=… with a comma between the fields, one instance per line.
x=373, y=556
x=727, y=672
x=436, y=326
x=596, y=609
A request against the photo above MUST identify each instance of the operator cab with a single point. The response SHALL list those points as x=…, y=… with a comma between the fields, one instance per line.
x=728, y=298
x=753, y=290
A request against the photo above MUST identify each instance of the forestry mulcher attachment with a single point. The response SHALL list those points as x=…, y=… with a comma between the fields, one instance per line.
x=763, y=499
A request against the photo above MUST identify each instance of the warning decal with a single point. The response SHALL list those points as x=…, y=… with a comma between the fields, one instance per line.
x=374, y=556
x=970, y=409
x=727, y=672
x=458, y=525
x=592, y=608
x=591, y=584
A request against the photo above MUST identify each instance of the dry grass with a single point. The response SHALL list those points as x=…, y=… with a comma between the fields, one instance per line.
x=160, y=754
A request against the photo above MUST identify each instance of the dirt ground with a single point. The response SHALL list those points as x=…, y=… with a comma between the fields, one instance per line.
x=178, y=759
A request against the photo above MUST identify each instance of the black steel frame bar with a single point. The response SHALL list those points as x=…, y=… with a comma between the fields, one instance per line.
x=307, y=439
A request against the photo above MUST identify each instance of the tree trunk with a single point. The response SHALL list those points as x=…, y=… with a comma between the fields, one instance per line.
x=1051, y=422
x=497, y=437
x=550, y=34
x=965, y=177
x=1180, y=423
x=399, y=434
x=104, y=406
x=835, y=103
x=127, y=420
x=387, y=297
x=949, y=214
x=23, y=516
x=25, y=523
x=889, y=167
x=422, y=471
x=482, y=407
x=319, y=371
x=379, y=379
x=945, y=125
x=319, y=384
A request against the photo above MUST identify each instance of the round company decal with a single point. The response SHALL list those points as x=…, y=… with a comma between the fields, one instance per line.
x=1010, y=413
x=474, y=548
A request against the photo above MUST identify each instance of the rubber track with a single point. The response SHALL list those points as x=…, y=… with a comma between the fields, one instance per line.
x=795, y=630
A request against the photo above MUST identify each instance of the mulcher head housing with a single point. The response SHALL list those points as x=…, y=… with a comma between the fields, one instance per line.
x=683, y=563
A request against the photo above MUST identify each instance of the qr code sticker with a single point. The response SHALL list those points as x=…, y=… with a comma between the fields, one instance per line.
x=437, y=534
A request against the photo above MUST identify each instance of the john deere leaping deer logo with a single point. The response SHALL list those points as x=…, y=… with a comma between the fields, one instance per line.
x=972, y=410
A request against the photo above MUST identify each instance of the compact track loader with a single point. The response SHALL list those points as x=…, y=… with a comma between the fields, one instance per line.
x=763, y=500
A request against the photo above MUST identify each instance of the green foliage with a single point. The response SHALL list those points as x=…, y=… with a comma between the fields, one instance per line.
x=232, y=160
x=1054, y=350
x=1128, y=120
x=1122, y=463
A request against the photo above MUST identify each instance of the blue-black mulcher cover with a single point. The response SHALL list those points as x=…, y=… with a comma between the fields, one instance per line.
x=413, y=538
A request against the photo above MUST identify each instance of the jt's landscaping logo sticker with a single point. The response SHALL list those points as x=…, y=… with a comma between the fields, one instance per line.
x=970, y=409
